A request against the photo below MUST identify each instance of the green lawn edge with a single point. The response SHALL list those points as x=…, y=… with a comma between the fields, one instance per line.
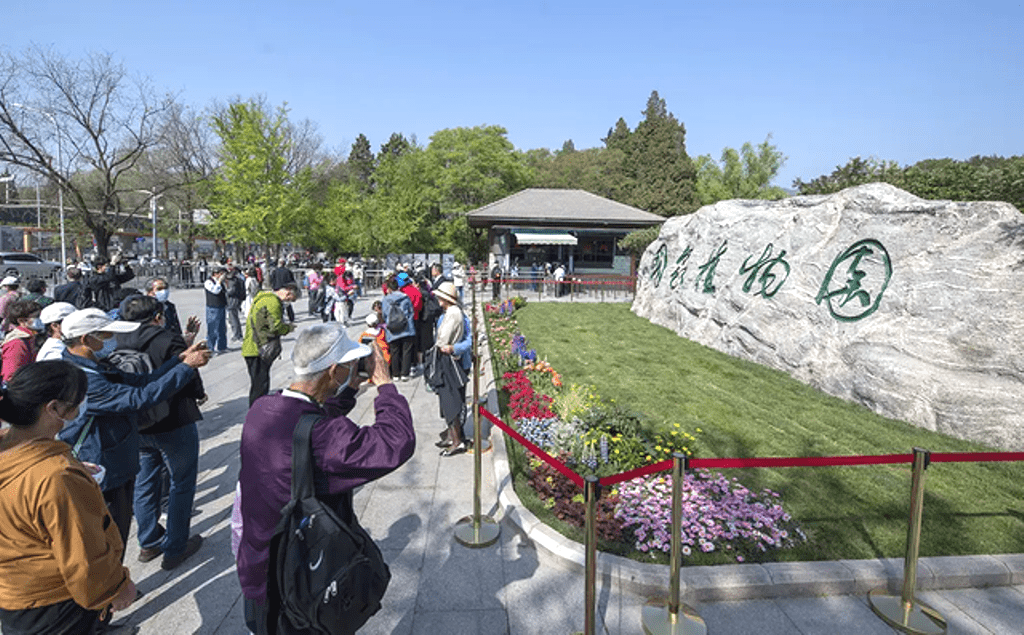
x=747, y=410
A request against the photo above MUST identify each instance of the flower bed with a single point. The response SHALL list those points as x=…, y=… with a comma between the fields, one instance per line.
x=594, y=436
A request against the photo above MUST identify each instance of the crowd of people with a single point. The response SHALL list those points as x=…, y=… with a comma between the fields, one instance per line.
x=102, y=393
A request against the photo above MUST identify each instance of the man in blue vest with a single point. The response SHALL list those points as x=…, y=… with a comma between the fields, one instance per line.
x=216, y=311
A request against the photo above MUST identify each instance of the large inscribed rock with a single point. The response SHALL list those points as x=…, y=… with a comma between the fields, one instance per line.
x=911, y=307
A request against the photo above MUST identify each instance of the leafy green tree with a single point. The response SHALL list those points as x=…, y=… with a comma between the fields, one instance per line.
x=857, y=171
x=745, y=174
x=470, y=167
x=254, y=199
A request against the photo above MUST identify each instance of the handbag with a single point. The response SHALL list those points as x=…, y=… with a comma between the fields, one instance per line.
x=270, y=350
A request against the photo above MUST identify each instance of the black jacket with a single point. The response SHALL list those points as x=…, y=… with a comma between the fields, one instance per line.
x=162, y=345
x=102, y=287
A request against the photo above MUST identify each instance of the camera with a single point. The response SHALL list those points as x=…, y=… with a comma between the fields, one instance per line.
x=363, y=368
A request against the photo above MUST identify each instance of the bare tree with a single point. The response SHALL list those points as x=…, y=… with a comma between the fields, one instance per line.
x=185, y=161
x=85, y=125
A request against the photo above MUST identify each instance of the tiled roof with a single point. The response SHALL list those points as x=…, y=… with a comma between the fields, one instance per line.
x=575, y=208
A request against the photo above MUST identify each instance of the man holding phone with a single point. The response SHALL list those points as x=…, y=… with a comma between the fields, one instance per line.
x=346, y=455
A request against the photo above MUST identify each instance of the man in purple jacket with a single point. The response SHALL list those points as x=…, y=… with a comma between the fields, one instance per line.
x=346, y=455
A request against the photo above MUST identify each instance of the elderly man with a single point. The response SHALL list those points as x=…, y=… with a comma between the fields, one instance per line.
x=106, y=429
x=346, y=455
x=170, y=443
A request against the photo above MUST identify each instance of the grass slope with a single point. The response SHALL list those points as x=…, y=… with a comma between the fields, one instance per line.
x=747, y=410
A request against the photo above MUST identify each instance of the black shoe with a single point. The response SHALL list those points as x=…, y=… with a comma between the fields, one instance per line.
x=443, y=443
x=452, y=451
x=192, y=546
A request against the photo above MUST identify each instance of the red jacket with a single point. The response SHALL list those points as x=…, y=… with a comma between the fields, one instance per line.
x=416, y=297
x=19, y=350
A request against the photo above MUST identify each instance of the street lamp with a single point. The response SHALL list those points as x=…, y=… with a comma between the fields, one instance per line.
x=152, y=210
x=60, y=185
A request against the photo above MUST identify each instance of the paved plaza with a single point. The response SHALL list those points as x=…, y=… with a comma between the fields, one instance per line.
x=438, y=586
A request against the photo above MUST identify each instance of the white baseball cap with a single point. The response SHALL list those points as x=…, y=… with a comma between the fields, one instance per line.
x=9, y=280
x=85, y=321
x=342, y=349
x=56, y=312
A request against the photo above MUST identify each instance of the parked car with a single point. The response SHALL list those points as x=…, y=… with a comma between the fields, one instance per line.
x=27, y=265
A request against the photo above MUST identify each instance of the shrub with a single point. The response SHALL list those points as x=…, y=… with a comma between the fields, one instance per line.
x=565, y=499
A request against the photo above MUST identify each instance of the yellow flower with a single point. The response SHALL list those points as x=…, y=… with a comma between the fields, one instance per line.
x=667, y=451
x=673, y=433
x=699, y=430
x=676, y=425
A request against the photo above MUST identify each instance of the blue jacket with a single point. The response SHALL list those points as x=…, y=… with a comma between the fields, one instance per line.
x=114, y=400
x=463, y=349
x=405, y=304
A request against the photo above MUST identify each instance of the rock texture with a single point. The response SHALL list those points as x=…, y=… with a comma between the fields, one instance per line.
x=911, y=307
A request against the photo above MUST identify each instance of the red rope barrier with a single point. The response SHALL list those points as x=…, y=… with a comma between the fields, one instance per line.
x=629, y=475
x=975, y=457
x=807, y=461
x=541, y=454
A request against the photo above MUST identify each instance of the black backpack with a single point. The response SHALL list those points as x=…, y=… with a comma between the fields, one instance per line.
x=397, y=322
x=138, y=363
x=431, y=308
x=325, y=576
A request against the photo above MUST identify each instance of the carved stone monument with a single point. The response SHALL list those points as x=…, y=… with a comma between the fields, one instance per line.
x=914, y=308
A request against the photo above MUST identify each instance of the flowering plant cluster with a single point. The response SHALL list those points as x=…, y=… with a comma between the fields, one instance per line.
x=718, y=515
x=591, y=435
x=524, y=402
x=543, y=366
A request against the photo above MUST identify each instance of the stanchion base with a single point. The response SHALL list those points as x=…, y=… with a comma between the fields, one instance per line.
x=658, y=621
x=485, y=447
x=484, y=535
x=917, y=618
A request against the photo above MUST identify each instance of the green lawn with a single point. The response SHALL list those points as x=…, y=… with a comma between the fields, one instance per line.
x=747, y=410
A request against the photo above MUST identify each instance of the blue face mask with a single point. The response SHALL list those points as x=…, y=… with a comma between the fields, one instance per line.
x=162, y=295
x=37, y=325
x=108, y=347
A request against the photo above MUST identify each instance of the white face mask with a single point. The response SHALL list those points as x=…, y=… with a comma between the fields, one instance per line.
x=162, y=295
x=81, y=412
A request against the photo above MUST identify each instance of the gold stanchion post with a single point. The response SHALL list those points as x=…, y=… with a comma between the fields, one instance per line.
x=476, y=531
x=591, y=492
x=673, y=617
x=907, y=614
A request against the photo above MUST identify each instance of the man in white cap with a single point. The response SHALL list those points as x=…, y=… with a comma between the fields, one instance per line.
x=52, y=316
x=9, y=286
x=326, y=381
x=106, y=429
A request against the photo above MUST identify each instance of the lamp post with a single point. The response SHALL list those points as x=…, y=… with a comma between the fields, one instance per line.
x=152, y=211
x=60, y=185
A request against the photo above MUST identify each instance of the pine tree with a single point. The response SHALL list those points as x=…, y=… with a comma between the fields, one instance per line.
x=361, y=163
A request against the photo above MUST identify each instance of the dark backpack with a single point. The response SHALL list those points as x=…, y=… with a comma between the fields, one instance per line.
x=138, y=363
x=397, y=322
x=431, y=309
x=325, y=576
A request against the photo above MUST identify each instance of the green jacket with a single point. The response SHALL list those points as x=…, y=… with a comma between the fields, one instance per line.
x=265, y=320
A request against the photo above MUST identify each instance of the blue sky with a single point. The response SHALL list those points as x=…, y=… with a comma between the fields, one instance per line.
x=905, y=80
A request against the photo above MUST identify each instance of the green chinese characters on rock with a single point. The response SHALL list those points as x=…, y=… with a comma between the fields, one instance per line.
x=706, y=278
x=679, y=271
x=660, y=264
x=773, y=272
x=855, y=282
